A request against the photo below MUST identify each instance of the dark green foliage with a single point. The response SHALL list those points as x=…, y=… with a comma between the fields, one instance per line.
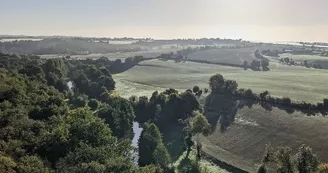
x=195, y=89
x=245, y=65
x=200, y=125
x=307, y=162
x=79, y=100
x=32, y=164
x=148, y=141
x=56, y=71
x=93, y=104
x=92, y=80
x=107, y=158
x=169, y=106
x=161, y=155
x=306, y=64
x=38, y=132
x=286, y=162
x=216, y=82
x=119, y=115
x=151, y=148
x=255, y=65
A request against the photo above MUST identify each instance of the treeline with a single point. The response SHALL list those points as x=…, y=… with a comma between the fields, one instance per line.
x=219, y=85
x=305, y=63
x=303, y=161
x=113, y=66
x=71, y=46
x=264, y=62
x=202, y=41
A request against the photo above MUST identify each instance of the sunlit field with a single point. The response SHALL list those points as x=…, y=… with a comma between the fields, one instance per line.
x=297, y=82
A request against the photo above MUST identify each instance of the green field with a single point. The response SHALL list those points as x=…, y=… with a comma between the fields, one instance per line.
x=243, y=144
x=297, y=82
x=230, y=56
x=312, y=59
x=146, y=54
x=303, y=57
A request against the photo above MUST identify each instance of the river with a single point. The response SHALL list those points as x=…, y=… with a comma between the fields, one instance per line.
x=137, y=132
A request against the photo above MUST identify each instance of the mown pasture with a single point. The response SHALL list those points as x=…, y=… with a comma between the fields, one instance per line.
x=298, y=83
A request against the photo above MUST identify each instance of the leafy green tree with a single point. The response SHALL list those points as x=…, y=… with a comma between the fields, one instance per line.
x=161, y=155
x=111, y=157
x=67, y=131
x=287, y=60
x=286, y=162
x=306, y=64
x=245, y=65
x=7, y=164
x=216, y=82
x=307, y=162
x=79, y=100
x=151, y=148
x=93, y=104
x=150, y=169
x=195, y=89
x=32, y=164
x=200, y=125
x=119, y=116
x=148, y=141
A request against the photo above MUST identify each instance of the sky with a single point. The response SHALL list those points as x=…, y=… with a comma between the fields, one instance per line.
x=255, y=20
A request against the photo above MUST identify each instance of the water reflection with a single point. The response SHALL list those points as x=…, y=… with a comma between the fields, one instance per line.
x=70, y=84
x=137, y=132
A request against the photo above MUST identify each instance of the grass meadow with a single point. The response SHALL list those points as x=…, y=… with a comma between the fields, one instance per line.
x=298, y=83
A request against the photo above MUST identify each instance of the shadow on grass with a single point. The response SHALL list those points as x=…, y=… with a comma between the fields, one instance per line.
x=187, y=165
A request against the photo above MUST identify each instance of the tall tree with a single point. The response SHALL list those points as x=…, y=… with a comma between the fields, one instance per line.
x=200, y=125
x=307, y=162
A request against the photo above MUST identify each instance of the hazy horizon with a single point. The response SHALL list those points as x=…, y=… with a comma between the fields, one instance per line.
x=255, y=20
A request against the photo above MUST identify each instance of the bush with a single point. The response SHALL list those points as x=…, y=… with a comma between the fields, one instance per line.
x=93, y=104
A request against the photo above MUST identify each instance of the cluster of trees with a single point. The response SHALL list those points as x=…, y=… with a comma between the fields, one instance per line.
x=151, y=147
x=288, y=61
x=51, y=71
x=166, y=107
x=91, y=80
x=46, y=129
x=273, y=53
x=113, y=66
x=304, y=161
x=219, y=85
x=39, y=133
x=264, y=63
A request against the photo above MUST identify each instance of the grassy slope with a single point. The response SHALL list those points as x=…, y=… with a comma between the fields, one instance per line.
x=246, y=141
x=231, y=56
x=301, y=58
x=299, y=83
x=113, y=56
x=204, y=164
x=312, y=59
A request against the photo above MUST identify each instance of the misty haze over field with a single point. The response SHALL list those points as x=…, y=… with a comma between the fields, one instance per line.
x=256, y=20
x=163, y=86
